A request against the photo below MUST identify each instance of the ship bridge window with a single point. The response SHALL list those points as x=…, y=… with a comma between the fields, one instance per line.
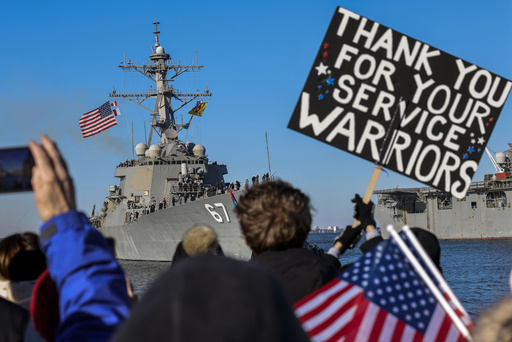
x=444, y=202
x=496, y=199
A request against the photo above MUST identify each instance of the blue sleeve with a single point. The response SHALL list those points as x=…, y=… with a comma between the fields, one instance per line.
x=91, y=284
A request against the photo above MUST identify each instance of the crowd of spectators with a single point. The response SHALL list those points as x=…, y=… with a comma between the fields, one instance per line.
x=66, y=285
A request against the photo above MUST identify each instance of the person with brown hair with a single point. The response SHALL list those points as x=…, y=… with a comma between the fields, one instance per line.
x=276, y=219
x=21, y=262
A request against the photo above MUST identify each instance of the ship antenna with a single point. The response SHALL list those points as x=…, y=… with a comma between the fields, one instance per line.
x=268, y=155
x=156, y=32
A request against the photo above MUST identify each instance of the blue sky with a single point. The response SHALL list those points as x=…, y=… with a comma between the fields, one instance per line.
x=59, y=60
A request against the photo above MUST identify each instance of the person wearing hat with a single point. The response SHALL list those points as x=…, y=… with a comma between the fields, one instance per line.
x=198, y=240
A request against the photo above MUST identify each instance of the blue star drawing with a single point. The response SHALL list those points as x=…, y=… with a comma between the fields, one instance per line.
x=479, y=150
x=330, y=81
x=466, y=156
x=321, y=96
x=471, y=149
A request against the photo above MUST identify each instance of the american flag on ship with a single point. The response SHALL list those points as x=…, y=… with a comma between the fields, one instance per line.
x=97, y=120
x=379, y=298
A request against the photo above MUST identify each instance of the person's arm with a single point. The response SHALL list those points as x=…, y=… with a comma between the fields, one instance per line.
x=91, y=284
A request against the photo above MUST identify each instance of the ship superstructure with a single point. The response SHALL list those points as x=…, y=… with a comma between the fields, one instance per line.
x=485, y=211
x=171, y=185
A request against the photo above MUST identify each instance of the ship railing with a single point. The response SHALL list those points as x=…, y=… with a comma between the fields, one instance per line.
x=187, y=189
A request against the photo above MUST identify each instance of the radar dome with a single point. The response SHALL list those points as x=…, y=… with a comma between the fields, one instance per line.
x=160, y=49
x=155, y=151
x=501, y=158
x=199, y=150
x=140, y=149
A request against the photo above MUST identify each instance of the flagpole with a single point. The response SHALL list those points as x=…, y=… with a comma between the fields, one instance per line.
x=430, y=284
x=433, y=268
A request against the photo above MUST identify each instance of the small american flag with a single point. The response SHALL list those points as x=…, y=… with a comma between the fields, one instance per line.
x=97, y=120
x=380, y=298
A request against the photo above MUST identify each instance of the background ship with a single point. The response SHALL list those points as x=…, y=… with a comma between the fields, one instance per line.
x=171, y=185
x=485, y=211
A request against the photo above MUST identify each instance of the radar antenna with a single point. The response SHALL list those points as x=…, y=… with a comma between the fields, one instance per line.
x=163, y=115
x=156, y=32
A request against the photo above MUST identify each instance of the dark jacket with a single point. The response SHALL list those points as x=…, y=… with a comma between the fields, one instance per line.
x=300, y=270
x=13, y=321
x=213, y=298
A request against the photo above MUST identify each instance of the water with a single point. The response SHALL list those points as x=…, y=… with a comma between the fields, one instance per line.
x=477, y=270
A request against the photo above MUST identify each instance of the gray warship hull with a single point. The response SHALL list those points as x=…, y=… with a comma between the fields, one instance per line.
x=155, y=237
x=485, y=211
x=171, y=184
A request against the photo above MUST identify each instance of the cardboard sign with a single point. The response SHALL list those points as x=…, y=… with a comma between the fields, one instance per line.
x=352, y=101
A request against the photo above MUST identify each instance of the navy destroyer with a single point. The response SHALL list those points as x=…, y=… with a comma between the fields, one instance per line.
x=485, y=211
x=171, y=184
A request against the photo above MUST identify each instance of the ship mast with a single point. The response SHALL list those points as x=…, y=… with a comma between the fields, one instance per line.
x=162, y=120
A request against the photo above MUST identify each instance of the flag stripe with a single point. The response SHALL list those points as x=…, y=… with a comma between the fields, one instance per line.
x=307, y=302
x=351, y=329
x=94, y=125
x=98, y=130
x=399, y=329
x=326, y=318
x=325, y=300
x=435, y=324
x=444, y=329
x=339, y=325
x=378, y=325
x=408, y=333
x=368, y=319
x=389, y=328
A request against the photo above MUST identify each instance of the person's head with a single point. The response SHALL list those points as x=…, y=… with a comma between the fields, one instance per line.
x=430, y=243
x=214, y=299
x=201, y=239
x=21, y=258
x=274, y=216
x=495, y=324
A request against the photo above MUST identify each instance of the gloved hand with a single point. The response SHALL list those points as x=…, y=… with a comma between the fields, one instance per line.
x=363, y=212
x=349, y=238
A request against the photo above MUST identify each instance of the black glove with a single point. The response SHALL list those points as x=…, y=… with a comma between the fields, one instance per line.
x=349, y=238
x=363, y=212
